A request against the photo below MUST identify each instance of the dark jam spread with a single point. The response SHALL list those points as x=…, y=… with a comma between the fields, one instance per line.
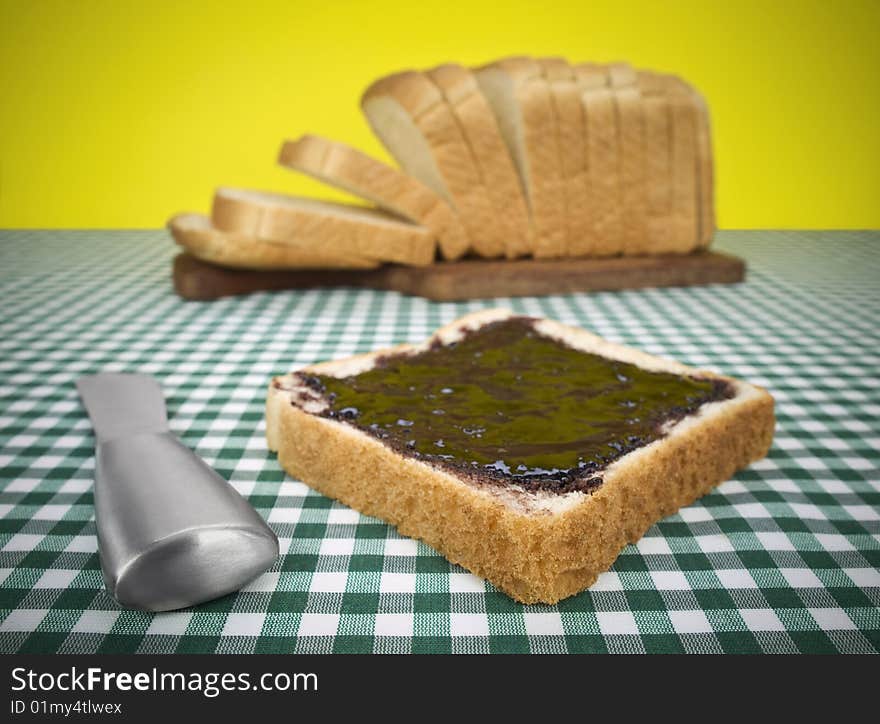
x=506, y=404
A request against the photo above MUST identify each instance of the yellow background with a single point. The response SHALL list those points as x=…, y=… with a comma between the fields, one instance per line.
x=116, y=114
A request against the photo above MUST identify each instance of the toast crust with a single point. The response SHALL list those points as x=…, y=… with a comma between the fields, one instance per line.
x=535, y=546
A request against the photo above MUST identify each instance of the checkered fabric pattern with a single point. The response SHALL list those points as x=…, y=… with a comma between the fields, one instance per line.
x=782, y=558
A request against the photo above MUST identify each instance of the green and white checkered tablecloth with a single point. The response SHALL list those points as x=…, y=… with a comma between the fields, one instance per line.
x=783, y=558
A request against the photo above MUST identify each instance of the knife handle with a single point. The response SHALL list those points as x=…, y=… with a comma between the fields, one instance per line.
x=171, y=531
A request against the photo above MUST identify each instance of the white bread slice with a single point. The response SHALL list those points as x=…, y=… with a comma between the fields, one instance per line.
x=499, y=175
x=685, y=166
x=705, y=162
x=534, y=545
x=571, y=133
x=343, y=230
x=706, y=171
x=683, y=232
x=195, y=234
x=357, y=173
x=587, y=76
x=521, y=101
x=629, y=108
x=659, y=229
x=412, y=119
x=603, y=159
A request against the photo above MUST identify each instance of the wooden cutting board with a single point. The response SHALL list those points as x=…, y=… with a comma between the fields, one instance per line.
x=471, y=278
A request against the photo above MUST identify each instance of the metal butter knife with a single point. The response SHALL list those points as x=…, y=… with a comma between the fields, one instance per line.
x=171, y=531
